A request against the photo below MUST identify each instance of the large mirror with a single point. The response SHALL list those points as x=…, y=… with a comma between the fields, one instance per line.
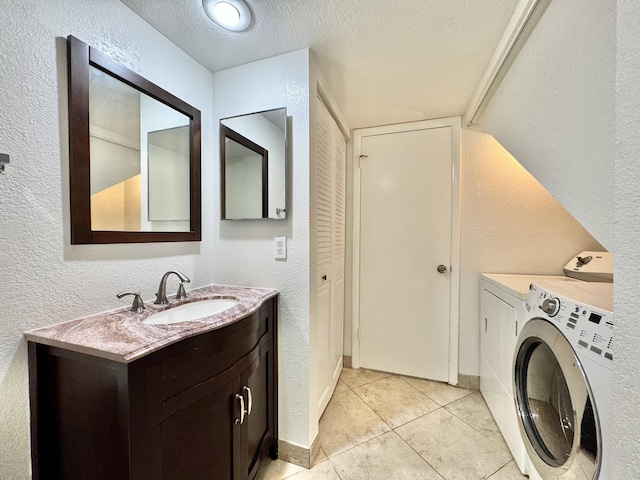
x=253, y=153
x=134, y=155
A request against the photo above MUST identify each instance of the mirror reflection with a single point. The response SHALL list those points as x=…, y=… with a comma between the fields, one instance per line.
x=139, y=171
x=253, y=165
x=134, y=155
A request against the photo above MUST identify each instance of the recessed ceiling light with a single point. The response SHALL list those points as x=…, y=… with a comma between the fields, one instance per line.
x=231, y=15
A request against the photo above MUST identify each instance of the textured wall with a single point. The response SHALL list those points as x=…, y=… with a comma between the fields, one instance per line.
x=244, y=249
x=554, y=110
x=46, y=280
x=510, y=224
x=626, y=387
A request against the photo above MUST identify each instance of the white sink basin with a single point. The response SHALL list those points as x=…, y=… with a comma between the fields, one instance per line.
x=191, y=311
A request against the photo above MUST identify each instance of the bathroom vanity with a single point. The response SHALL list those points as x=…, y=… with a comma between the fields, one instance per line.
x=115, y=398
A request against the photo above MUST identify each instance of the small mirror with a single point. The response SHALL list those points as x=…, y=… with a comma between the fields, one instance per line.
x=253, y=152
x=134, y=155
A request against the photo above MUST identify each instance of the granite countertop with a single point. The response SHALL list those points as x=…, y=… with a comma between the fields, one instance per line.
x=120, y=335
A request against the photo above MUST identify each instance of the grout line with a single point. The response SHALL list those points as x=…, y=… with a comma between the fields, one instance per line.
x=423, y=393
x=418, y=453
x=358, y=445
x=335, y=469
x=469, y=424
x=369, y=383
x=469, y=392
x=418, y=417
x=505, y=466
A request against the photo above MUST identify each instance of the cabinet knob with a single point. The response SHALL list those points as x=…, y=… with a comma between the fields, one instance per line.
x=241, y=419
x=442, y=269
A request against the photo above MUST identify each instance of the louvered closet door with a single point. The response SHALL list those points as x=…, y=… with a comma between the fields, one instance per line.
x=330, y=231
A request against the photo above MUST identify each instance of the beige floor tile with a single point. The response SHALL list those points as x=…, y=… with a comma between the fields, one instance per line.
x=440, y=392
x=348, y=422
x=383, y=458
x=319, y=457
x=509, y=472
x=322, y=471
x=498, y=438
x=353, y=378
x=395, y=400
x=341, y=387
x=473, y=411
x=277, y=470
x=453, y=448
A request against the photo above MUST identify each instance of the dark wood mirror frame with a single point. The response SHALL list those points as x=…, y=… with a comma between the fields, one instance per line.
x=80, y=57
x=226, y=132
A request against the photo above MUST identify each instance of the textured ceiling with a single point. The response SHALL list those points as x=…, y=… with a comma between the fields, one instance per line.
x=387, y=61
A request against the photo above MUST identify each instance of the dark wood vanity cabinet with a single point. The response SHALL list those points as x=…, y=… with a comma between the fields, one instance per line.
x=175, y=414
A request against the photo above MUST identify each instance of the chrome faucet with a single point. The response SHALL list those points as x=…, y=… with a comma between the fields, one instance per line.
x=161, y=296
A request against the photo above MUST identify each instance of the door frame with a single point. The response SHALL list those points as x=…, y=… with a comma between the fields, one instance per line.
x=454, y=298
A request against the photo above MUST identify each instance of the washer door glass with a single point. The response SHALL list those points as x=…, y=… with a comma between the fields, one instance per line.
x=555, y=406
x=550, y=420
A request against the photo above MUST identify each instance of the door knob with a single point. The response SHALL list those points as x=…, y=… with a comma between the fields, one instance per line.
x=442, y=269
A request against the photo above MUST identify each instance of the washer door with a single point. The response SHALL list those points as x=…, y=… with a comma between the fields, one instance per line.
x=558, y=421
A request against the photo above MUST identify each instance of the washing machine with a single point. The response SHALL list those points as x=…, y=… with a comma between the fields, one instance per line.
x=503, y=313
x=562, y=380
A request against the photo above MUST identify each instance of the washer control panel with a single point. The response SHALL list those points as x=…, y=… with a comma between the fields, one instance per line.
x=589, y=329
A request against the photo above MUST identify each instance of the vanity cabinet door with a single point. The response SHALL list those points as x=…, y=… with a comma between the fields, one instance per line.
x=194, y=395
x=206, y=436
x=209, y=438
x=256, y=427
x=197, y=442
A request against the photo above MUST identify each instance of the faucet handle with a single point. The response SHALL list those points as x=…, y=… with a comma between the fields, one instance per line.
x=182, y=294
x=138, y=305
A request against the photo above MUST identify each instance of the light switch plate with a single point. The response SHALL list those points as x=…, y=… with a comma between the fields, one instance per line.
x=280, y=248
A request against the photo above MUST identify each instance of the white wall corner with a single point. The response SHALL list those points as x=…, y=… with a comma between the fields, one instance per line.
x=524, y=19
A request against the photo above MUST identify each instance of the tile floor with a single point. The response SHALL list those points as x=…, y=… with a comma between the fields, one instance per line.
x=380, y=426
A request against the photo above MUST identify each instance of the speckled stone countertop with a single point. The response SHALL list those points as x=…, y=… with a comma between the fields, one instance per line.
x=120, y=335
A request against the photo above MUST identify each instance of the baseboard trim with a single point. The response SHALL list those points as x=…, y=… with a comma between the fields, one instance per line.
x=346, y=361
x=470, y=382
x=292, y=453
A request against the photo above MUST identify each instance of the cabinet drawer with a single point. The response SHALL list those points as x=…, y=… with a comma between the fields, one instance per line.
x=193, y=394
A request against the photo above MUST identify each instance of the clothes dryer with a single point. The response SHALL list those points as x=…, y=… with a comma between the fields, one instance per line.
x=503, y=313
x=562, y=380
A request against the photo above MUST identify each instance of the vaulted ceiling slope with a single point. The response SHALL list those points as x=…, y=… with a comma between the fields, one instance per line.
x=387, y=61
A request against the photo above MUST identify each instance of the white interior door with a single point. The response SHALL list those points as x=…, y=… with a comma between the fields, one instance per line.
x=405, y=234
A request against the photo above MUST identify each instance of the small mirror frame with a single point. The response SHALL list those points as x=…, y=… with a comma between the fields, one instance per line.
x=228, y=132
x=80, y=57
